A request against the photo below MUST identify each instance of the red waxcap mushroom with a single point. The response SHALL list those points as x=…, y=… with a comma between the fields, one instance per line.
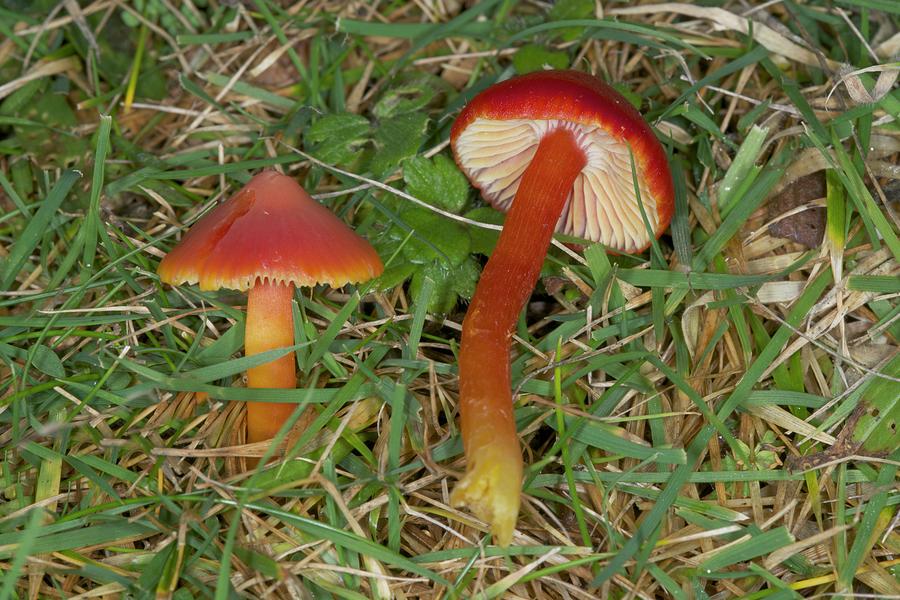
x=555, y=149
x=267, y=238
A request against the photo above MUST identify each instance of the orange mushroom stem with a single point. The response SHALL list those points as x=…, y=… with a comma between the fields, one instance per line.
x=492, y=484
x=269, y=325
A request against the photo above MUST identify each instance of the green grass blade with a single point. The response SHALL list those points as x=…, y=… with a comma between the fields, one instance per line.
x=836, y=222
x=91, y=228
x=742, y=170
x=37, y=227
x=25, y=543
x=757, y=544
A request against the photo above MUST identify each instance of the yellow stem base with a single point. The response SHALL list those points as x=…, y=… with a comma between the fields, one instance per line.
x=492, y=488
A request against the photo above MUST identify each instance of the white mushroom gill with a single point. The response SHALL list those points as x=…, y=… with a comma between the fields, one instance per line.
x=602, y=205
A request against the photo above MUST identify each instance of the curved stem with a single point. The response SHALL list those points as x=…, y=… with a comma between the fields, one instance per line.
x=493, y=481
x=270, y=325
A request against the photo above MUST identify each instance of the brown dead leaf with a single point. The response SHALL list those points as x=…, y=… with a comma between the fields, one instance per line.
x=805, y=227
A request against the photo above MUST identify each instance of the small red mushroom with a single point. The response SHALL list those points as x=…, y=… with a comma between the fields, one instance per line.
x=553, y=148
x=267, y=238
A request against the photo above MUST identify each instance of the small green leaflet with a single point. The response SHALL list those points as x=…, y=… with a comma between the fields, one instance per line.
x=437, y=181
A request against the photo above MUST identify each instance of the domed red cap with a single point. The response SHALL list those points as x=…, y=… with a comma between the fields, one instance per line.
x=274, y=231
x=498, y=132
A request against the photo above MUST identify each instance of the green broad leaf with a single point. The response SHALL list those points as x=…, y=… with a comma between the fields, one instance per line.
x=400, y=101
x=465, y=277
x=535, y=57
x=450, y=284
x=50, y=140
x=396, y=139
x=413, y=93
x=338, y=139
x=567, y=10
x=435, y=238
x=484, y=240
x=437, y=181
x=877, y=427
x=46, y=361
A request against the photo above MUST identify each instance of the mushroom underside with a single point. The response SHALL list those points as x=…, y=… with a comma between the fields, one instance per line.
x=602, y=206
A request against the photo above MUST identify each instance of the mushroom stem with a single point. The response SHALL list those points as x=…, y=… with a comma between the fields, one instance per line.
x=493, y=482
x=270, y=325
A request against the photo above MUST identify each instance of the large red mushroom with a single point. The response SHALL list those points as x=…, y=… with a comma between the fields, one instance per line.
x=266, y=239
x=554, y=149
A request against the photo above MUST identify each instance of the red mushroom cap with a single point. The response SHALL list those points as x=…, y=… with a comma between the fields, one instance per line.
x=497, y=133
x=274, y=231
